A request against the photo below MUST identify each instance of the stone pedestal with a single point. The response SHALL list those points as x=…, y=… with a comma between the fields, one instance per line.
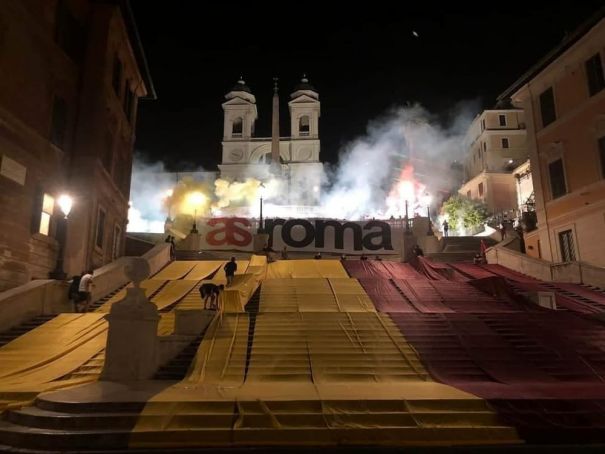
x=408, y=243
x=132, y=343
x=260, y=240
x=190, y=243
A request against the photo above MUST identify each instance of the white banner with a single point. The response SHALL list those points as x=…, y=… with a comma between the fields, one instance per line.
x=312, y=235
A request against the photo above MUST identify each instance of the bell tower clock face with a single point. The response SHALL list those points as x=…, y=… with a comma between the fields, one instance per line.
x=305, y=154
x=236, y=155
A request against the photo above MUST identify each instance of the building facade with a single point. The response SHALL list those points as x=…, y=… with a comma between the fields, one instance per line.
x=495, y=146
x=245, y=155
x=71, y=75
x=563, y=96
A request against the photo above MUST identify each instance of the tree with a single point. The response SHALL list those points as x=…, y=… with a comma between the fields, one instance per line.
x=463, y=212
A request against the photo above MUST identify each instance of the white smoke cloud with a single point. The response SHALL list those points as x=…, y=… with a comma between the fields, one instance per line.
x=371, y=165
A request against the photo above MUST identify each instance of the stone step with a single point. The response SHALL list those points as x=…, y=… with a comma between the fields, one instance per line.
x=15, y=435
x=447, y=257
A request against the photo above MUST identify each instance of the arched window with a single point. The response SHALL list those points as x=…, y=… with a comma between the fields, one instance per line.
x=238, y=125
x=303, y=125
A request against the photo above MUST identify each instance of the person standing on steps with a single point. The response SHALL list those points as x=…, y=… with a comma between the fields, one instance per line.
x=446, y=228
x=84, y=289
x=74, y=291
x=230, y=269
x=503, y=231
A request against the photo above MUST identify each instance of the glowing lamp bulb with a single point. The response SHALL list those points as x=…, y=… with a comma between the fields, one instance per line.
x=65, y=202
x=197, y=198
x=169, y=193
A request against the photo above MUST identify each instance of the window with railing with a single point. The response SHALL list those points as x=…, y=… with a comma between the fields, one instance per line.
x=568, y=252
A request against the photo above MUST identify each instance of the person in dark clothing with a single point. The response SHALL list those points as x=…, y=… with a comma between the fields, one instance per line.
x=73, y=293
x=363, y=257
x=172, y=249
x=378, y=258
x=446, y=228
x=418, y=252
x=230, y=269
x=170, y=240
x=211, y=291
x=503, y=231
x=318, y=256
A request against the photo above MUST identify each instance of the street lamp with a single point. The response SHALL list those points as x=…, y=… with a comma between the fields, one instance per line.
x=407, y=219
x=65, y=203
x=196, y=198
x=261, y=191
x=427, y=199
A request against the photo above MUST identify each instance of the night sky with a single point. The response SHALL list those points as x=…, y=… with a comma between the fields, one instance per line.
x=362, y=61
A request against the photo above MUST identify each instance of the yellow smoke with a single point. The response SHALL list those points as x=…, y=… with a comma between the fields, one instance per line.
x=238, y=193
x=194, y=199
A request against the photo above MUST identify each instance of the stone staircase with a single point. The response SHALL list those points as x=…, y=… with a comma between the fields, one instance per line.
x=62, y=426
x=177, y=368
x=13, y=333
x=460, y=248
x=98, y=303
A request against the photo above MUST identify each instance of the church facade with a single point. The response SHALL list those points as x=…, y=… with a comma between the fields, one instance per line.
x=293, y=159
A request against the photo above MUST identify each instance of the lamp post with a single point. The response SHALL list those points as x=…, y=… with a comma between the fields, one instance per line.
x=407, y=219
x=65, y=203
x=427, y=199
x=261, y=190
x=196, y=198
x=168, y=222
x=169, y=193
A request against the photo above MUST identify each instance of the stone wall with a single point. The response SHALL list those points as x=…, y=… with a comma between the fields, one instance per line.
x=575, y=272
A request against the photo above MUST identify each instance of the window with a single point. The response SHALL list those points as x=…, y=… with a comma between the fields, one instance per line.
x=117, y=234
x=58, y=122
x=502, y=120
x=484, y=146
x=116, y=79
x=69, y=34
x=504, y=142
x=558, y=186
x=594, y=74
x=602, y=155
x=128, y=100
x=547, y=107
x=100, y=228
x=48, y=205
x=303, y=125
x=237, y=128
x=483, y=125
x=568, y=252
x=480, y=189
x=468, y=194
